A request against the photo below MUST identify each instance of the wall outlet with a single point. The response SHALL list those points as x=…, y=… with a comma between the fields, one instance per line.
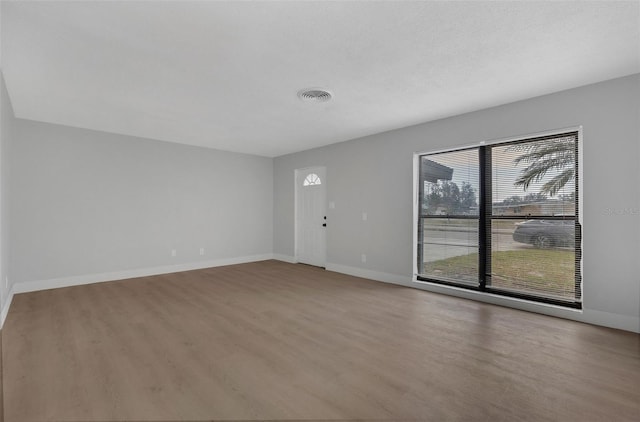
x=364, y=216
x=6, y=282
x=201, y=251
x=174, y=252
x=363, y=258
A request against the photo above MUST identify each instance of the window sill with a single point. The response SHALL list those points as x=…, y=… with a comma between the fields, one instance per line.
x=497, y=299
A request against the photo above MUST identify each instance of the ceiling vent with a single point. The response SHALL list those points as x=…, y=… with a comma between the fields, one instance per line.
x=314, y=95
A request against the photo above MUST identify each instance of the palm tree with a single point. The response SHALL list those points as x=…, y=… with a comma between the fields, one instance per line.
x=555, y=155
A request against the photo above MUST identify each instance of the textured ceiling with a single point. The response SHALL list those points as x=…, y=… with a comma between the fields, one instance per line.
x=225, y=74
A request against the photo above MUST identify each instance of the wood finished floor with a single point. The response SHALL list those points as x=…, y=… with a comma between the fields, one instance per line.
x=276, y=341
x=1, y=392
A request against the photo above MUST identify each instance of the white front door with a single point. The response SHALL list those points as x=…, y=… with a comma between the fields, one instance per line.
x=311, y=216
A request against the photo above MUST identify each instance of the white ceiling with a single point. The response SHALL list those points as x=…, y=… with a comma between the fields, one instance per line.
x=225, y=74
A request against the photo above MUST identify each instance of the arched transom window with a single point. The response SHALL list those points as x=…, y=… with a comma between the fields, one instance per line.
x=312, y=180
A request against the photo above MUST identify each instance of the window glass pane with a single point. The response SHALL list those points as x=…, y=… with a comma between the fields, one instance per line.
x=534, y=178
x=534, y=257
x=312, y=180
x=449, y=188
x=450, y=183
x=450, y=249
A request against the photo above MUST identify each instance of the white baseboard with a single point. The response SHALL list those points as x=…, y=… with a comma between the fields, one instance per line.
x=605, y=319
x=285, y=258
x=372, y=275
x=5, y=307
x=53, y=283
x=609, y=319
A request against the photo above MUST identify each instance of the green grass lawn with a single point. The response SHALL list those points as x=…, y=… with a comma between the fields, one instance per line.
x=549, y=271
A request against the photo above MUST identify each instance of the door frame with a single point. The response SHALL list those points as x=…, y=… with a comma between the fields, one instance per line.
x=296, y=225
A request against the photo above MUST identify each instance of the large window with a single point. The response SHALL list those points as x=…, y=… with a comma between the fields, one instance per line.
x=503, y=218
x=449, y=222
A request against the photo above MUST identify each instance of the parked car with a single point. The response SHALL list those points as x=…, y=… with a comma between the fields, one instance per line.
x=546, y=234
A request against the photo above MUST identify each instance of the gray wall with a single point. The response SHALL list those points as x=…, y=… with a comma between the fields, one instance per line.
x=6, y=134
x=86, y=202
x=374, y=174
